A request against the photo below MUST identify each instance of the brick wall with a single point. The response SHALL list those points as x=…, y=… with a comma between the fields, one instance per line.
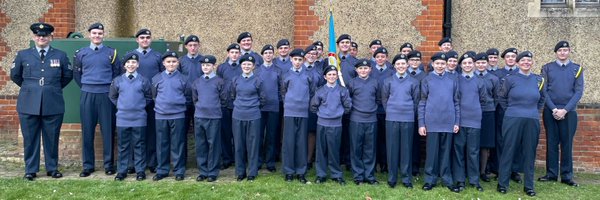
x=429, y=24
x=305, y=23
x=61, y=16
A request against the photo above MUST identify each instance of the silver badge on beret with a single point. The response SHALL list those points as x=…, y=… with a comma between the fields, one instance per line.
x=134, y=56
x=383, y=50
x=443, y=56
x=194, y=39
x=364, y=62
x=332, y=67
x=41, y=26
x=270, y=47
x=302, y=53
x=173, y=54
x=514, y=51
x=148, y=32
x=418, y=54
x=349, y=37
x=378, y=42
x=466, y=55
x=565, y=44
x=237, y=47
x=250, y=58
x=407, y=45
x=100, y=26
x=206, y=60
x=529, y=54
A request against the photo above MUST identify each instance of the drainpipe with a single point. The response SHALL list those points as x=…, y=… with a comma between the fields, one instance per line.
x=447, y=27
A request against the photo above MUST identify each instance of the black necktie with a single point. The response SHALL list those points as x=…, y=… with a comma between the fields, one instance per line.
x=381, y=69
x=130, y=76
x=343, y=57
x=310, y=66
x=144, y=52
x=42, y=55
x=510, y=69
x=170, y=73
x=413, y=73
x=246, y=53
x=401, y=77
x=480, y=74
x=206, y=77
x=96, y=49
x=297, y=71
x=283, y=60
x=467, y=76
x=440, y=74
x=246, y=77
x=234, y=64
x=563, y=65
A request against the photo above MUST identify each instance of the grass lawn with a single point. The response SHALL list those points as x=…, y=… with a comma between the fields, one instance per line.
x=268, y=186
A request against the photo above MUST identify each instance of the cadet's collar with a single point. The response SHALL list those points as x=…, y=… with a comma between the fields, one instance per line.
x=560, y=63
x=450, y=71
x=135, y=74
x=437, y=74
x=342, y=54
x=410, y=70
x=170, y=73
x=398, y=75
x=231, y=62
x=514, y=67
x=381, y=68
x=484, y=72
x=141, y=50
x=192, y=56
x=294, y=69
x=38, y=49
x=493, y=68
x=306, y=64
x=331, y=85
x=93, y=46
x=211, y=75
x=525, y=74
x=248, y=75
x=468, y=74
x=287, y=58
x=267, y=65
x=242, y=52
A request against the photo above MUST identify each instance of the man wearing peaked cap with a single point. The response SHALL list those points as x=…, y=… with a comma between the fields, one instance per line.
x=245, y=40
x=228, y=70
x=93, y=72
x=41, y=72
x=565, y=85
x=283, y=59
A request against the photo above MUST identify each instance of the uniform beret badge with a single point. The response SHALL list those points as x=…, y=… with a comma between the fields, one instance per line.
x=41, y=26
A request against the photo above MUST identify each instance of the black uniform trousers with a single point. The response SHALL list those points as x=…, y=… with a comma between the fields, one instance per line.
x=227, y=157
x=97, y=108
x=269, y=138
x=208, y=146
x=170, y=136
x=560, y=132
x=151, y=136
x=399, y=136
x=132, y=144
x=246, y=134
x=363, y=138
x=416, y=152
x=524, y=132
x=465, y=155
x=328, y=151
x=380, y=157
x=437, y=161
x=295, y=145
x=518, y=158
x=48, y=128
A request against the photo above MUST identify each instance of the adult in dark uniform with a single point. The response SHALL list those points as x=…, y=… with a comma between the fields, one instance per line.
x=95, y=66
x=41, y=72
x=565, y=88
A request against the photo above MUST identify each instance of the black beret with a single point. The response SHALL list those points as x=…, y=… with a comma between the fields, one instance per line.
x=406, y=45
x=492, y=51
x=451, y=54
x=191, y=38
x=267, y=47
x=318, y=43
x=382, y=50
x=41, y=29
x=329, y=68
x=354, y=44
x=343, y=37
x=524, y=54
x=310, y=48
x=96, y=25
x=283, y=42
x=362, y=62
x=465, y=56
x=375, y=42
x=169, y=54
x=444, y=40
x=561, y=44
x=233, y=46
x=243, y=35
x=481, y=56
x=414, y=54
x=439, y=56
x=208, y=59
x=509, y=50
x=143, y=31
x=131, y=56
x=297, y=53
x=471, y=53
x=399, y=57
x=247, y=57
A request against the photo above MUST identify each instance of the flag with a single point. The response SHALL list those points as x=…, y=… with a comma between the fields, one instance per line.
x=332, y=57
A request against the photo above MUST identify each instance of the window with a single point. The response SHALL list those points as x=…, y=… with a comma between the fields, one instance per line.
x=564, y=8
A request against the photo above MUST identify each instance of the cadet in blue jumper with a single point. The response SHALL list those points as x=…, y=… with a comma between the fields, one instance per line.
x=94, y=69
x=381, y=69
x=415, y=70
x=466, y=142
x=131, y=93
x=565, y=88
x=365, y=93
x=488, y=119
x=149, y=64
x=189, y=66
x=354, y=49
x=347, y=61
x=283, y=58
x=171, y=92
x=399, y=96
x=296, y=90
x=406, y=48
x=330, y=102
x=270, y=74
x=248, y=97
x=245, y=40
x=452, y=64
x=522, y=95
x=315, y=70
x=41, y=72
x=228, y=70
x=208, y=96
x=439, y=117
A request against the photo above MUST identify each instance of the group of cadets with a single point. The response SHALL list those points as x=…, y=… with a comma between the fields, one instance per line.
x=366, y=113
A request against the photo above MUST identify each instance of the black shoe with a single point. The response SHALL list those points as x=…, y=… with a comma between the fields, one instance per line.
x=391, y=184
x=569, y=182
x=530, y=192
x=86, y=172
x=159, y=177
x=516, y=177
x=428, y=186
x=29, y=176
x=211, y=179
x=251, y=178
x=140, y=176
x=484, y=178
x=225, y=166
x=271, y=169
x=547, y=179
x=341, y=181
x=453, y=188
x=130, y=171
x=289, y=178
x=460, y=186
x=201, y=178
x=408, y=185
x=357, y=182
x=120, y=176
x=320, y=180
x=478, y=187
x=109, y=172
x=302, y=179
x=501, y=189
x=179, y=177
x=54, y=174
x=373, y=182
x=152, y=170
x=240, y=178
